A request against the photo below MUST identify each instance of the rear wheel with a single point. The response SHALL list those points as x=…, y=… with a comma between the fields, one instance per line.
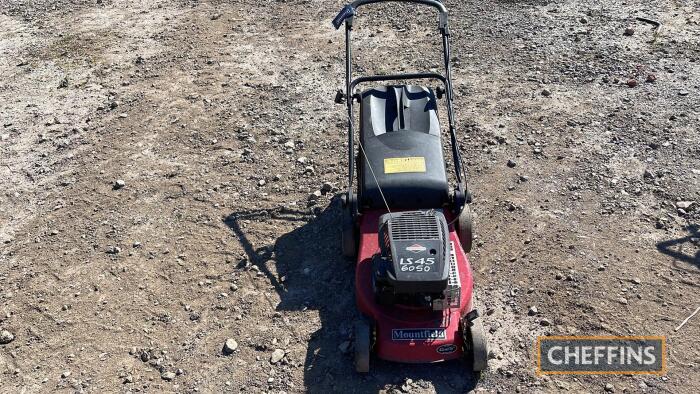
x=464, y=228
x=363, y=336
x=348, y=230
x=348, y=235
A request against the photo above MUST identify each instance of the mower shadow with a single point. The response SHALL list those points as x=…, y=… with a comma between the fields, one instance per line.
x=307, y=270
x=693, y=237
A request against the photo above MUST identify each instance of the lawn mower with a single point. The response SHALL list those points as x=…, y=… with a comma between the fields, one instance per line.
x=407, y=226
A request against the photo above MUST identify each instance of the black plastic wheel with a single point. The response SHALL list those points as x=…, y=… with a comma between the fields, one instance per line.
x=348, y=237
x=464, y=228
x=348, y=229
x=476, y=347
x=479, y=351
x=363, y=337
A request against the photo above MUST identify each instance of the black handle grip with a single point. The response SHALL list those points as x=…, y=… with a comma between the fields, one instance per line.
x=347, y=12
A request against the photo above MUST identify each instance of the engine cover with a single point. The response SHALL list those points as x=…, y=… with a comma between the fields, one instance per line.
x=415, y=244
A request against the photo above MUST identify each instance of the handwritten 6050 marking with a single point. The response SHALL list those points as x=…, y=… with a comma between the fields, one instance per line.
x=423, y=264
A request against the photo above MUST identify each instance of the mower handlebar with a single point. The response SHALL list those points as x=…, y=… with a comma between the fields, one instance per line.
x=349, y=10
x=432, y=3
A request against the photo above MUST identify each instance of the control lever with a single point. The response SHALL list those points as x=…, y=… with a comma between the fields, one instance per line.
x=347, y=12
x=440, y=92
x=339, y=97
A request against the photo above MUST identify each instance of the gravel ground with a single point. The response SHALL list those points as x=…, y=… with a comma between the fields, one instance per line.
x=160, y=230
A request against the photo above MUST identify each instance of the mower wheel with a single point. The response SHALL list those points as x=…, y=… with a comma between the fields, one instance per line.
x=348, y=236
x=363, y=335
x=464, y=228
x=475, y=340
x=479, y=348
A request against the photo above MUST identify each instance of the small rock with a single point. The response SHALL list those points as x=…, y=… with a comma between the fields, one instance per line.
x=123, y=115
x=230, y=346
x=261, y=182
x=277, y=355
x=302, y=160
x=583, y=20
x=216, y=16
x=545, y=322
x=511, y=163
x=128, y=379
x=546, y=93
x=636, y=281
x=683, y=93
x=629, y=31
x=632, y=82
x=168, y=376
x=601, y=268
x=532, y=311
x=65, y=374
x=684, y=204
x=326, y=187
x=623, y=300
x=651, y=78
x=118, y=184
x=114, y=250
x=609, y=388
x=315, y=195
x=6, y=337
x=558, y=276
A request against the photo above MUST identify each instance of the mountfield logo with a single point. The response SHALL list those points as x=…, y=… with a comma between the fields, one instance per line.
x=601, y=355
x=417, y=334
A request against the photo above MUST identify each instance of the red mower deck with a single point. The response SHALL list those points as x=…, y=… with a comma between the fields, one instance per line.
x=392, y=324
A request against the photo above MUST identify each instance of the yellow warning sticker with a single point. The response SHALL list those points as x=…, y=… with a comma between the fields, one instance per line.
x=397, y=165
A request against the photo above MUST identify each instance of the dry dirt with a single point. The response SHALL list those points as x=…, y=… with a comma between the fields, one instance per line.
x=205, y=110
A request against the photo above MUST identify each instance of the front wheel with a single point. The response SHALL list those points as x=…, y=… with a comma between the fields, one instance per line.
x=363, y=335
x=479, y=348
x=476, y=348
